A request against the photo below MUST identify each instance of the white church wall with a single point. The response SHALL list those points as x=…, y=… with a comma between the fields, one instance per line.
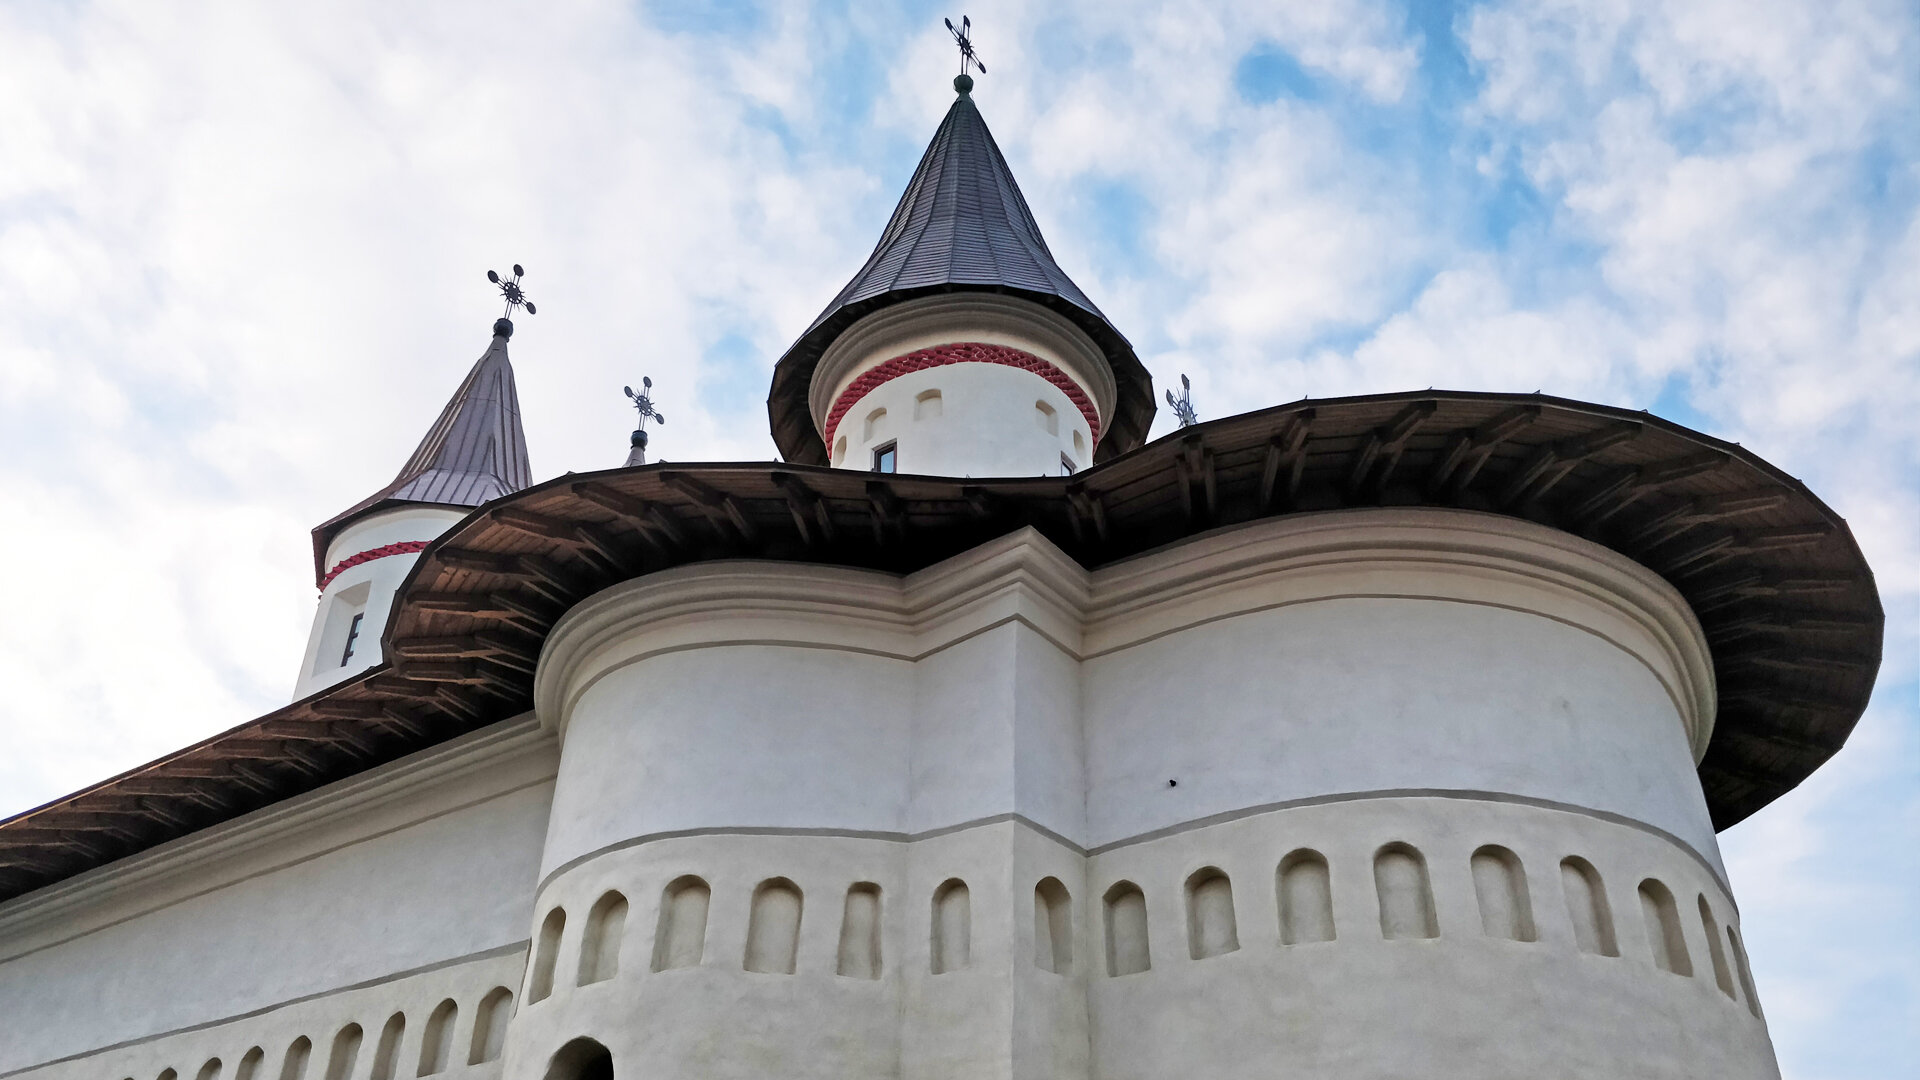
x=1366, y=694
x=1430, y=684
x=1462, y=1003
x=422, y=865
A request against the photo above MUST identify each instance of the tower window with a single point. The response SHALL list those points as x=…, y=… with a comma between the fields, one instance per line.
x=884, y=457
x=1066, y=465
x=353, y=635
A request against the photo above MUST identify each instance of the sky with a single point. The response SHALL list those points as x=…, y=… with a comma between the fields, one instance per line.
x=242, y=256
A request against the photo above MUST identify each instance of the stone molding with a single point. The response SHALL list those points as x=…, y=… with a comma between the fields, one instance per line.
x=940, y=320
x=1419, y=553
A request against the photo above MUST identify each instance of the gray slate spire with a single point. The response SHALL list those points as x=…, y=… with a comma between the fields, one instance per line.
x=962, y=225
x=474, y=453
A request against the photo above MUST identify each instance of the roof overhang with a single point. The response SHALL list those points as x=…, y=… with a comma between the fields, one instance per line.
x=1783, y=595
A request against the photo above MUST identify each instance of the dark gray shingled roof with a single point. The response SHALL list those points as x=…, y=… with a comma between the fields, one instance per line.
x=961, y=225
x=474, y=453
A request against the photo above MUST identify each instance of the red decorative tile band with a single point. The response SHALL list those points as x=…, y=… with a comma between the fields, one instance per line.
x=404, y=547
x=960, y=352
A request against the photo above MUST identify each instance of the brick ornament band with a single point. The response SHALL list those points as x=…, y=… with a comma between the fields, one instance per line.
x=404, y=547
x=960, y=352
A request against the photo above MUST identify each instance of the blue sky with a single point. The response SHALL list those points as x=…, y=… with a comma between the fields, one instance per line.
x=243, y=250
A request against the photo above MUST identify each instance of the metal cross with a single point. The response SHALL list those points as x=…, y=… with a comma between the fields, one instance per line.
x=511, y=291
x=643, y=402
x=963, y=37
x=1183, y=405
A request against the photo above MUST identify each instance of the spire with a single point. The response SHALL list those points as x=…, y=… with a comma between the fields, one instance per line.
x=962, y=225
x=474, y=453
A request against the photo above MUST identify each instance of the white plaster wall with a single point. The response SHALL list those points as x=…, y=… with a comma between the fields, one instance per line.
x=1377, y=693
x=369, y=586
x=987, y=424
x=424, y=862
x=1458, y=1005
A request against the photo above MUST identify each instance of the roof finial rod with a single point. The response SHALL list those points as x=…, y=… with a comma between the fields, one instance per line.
x=1183, y=405
x=510, y=290
x=643, y=404
x=963, y=37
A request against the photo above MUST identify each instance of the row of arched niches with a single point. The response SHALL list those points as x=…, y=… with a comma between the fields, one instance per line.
x=445, y=1045
x=1511, y=900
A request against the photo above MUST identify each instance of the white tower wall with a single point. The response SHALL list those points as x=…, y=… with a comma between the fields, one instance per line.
x=365, y=589
x=970, y=418
x=1483, y=730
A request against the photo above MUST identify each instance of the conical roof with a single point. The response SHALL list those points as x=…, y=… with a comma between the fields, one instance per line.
x=474, y=453
x=961, y=225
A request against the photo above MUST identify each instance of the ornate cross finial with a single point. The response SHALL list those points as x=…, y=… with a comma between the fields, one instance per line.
x=1183, y=405
x=511, y=291
x=643, y=404
x=963, y=37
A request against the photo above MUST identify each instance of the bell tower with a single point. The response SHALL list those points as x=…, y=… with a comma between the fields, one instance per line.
x=960, y=348
x=474, y=453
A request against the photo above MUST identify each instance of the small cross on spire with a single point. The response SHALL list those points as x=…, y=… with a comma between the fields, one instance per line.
x=1183, y=405
x=516, y=298
x=963, y=37
x=643, y=404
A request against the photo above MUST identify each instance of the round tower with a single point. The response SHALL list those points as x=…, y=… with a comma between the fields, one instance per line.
x=473, y=453
x=960, y=348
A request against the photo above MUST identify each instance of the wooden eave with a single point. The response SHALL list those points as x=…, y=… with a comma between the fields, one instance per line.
x=1787, y=602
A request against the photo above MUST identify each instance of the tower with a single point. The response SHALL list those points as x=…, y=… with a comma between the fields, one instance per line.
x=960, y=348
x=474, y=453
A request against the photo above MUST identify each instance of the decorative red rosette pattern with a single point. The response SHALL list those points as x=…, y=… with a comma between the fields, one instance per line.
x=404, y=547
x=961, y=352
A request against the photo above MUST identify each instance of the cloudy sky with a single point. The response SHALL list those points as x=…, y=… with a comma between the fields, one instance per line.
x=242, y=252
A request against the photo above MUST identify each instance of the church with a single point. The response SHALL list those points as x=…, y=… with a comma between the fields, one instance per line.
x=1363, y=737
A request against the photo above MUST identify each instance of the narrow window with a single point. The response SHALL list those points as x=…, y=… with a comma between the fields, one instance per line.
x=1746, y=973
x=1406, y=897
x=580, y=1059
x=1664, y=936
x=952, y=936
x=1066, y=465
x=353, y=635
x=926, y=405
x=1211, y=930
x=860, y=933
x=546, y=955
x=345, y=1052
x=1587, y=907
x=1049, y=420
x=1052, y=927
x=294, y=1065
x=436, y=1043
x=600, y=946
x=490, y=1026
x=386, y=1052
x=885, y=457
x=249, y=1066
x=1127, y=951
x=209, y=1071
x=1306, y=898
x=773, y=927
x=1722, y=973
x=681, y=938
x=1500, y=885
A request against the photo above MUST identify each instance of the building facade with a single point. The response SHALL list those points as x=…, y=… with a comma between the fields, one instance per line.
x=1370, y=737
